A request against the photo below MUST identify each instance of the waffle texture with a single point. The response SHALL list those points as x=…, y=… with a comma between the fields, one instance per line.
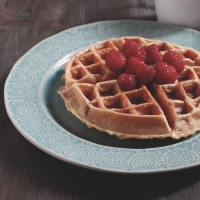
x=92, y=94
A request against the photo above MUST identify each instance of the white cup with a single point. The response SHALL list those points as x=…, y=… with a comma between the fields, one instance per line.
x=180, y=12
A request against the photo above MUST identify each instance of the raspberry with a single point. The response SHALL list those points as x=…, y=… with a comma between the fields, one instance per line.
x=133, y=64
x=173, y=58
x=127, y=82
x=165, y=73
x=153, y=54
x=132, y=48
x=145, y=74
x=115, y=60
x=127, y=44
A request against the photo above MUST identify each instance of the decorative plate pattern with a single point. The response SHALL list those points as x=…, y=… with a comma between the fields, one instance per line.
x=37, y=111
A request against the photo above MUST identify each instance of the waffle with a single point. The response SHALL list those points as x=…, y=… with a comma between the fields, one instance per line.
x=92, y=94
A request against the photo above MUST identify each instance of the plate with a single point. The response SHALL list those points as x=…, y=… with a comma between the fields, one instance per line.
x=39, y=114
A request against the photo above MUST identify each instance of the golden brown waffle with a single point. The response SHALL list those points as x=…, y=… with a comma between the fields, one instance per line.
x=92, y=94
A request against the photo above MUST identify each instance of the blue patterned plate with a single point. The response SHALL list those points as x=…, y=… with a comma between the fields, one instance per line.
x=38, y=112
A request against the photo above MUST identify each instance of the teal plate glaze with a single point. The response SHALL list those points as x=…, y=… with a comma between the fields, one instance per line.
x=39, y=114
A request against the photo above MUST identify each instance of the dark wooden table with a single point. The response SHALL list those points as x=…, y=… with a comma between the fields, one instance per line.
x=27, y=173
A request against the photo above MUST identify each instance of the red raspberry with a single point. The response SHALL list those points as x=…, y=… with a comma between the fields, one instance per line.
x=115, y=60
x=127, y=81
x=174, y=59
x=145, y=74
x=132, y=48
x=127, y=44
x=165, y=73
x=153, y=54
x=133, y=64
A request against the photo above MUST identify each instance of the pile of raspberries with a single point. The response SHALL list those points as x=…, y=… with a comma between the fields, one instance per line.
x=138, y=65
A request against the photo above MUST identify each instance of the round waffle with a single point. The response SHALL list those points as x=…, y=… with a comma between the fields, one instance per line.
x=92, y=94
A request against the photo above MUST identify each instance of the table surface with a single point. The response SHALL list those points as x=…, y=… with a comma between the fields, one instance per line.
x=27, y=172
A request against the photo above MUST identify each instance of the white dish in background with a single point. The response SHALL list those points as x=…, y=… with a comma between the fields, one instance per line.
x=39, y=114
x=180, y=12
